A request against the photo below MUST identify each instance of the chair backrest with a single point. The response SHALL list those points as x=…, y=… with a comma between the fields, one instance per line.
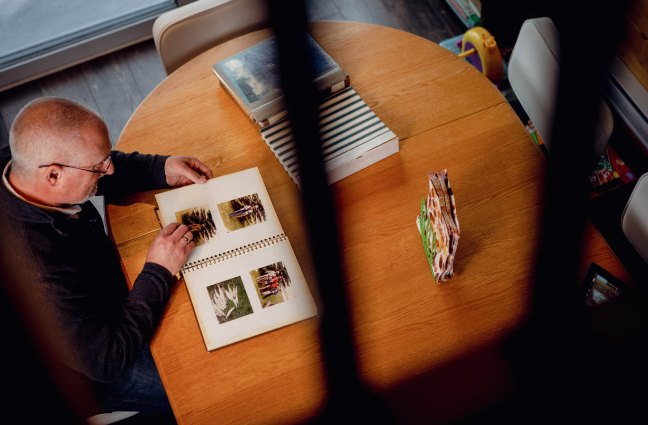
x=109, y=418
x=634, y=220
x=534, y=73
x=182, y=34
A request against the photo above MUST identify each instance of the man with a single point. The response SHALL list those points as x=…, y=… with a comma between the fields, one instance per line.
x=59, y=157
x=270, y=292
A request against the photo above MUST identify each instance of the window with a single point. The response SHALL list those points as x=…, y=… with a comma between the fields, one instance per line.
x=41, y=36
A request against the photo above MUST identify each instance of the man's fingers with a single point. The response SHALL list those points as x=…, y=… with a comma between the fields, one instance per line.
x=190, y=246
x=184, y=170
x=189, y=236
x=202, y=168
x=170, y=228
x=193, y=176
x=179, y=232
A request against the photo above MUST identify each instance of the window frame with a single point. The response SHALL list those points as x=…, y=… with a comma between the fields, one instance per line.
x=74, y=53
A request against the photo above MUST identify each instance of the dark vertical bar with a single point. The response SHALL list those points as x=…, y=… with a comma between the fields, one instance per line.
x=552, y=354
x=31, y=393
x=346, y=396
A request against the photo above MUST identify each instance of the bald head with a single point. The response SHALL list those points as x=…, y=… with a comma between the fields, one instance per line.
x=53, y=130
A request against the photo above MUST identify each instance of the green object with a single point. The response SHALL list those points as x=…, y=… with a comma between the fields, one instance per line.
x=426, y=228
x=473, y=21
x=535, y=138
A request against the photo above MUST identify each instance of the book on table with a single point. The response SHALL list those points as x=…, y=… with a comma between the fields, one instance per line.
x=352, y=135
x=242, y=277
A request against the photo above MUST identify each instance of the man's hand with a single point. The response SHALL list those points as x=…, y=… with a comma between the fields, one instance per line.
x=184, y=170
x=171, y=247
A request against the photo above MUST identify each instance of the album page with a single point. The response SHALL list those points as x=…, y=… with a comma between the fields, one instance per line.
x=226, y=213
x=246, y=295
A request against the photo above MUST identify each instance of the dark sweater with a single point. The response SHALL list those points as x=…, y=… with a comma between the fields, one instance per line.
x=70, y=269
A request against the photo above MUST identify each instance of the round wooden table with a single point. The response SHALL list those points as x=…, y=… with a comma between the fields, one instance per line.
x=422, y=346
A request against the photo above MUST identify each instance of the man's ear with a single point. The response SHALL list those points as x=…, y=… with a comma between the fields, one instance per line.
x=54, y=175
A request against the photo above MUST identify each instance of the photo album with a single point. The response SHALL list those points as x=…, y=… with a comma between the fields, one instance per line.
x=242, y=277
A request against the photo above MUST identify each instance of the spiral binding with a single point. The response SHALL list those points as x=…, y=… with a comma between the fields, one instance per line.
x=189, y=267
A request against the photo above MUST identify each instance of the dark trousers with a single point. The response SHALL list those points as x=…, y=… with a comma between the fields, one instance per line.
x=140, y=390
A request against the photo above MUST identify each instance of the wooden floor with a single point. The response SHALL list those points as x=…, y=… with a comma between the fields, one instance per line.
x=115, y=84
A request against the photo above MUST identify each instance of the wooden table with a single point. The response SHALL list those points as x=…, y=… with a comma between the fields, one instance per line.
x=411, y=332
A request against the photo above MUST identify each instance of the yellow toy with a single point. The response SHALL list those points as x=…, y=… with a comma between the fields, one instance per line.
x=480, y=48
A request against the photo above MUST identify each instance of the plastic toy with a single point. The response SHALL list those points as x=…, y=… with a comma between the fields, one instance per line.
x=480, y=48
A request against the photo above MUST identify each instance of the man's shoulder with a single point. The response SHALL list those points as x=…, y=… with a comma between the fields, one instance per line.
x=16, y=249
x=23, y=237
x=42, y=257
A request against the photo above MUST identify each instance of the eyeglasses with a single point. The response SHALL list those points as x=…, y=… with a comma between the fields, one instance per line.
x=106, y=163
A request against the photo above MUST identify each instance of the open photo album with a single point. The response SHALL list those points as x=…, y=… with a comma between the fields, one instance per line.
x=242, y=277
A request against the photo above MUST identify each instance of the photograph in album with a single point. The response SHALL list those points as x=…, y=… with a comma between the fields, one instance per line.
x=242, y=212
x=272, y=284
x=229, y=299
x=200, y=222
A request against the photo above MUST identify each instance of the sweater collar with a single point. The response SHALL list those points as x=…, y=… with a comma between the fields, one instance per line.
x=20, y=209
x=69, y=211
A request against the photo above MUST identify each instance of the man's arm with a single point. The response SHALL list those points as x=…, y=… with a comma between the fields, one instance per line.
x=101, y=333
x=133, y=173
x=116, y=339
x=103, y=346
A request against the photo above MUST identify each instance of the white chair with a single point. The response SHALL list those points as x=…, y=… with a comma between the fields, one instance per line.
x=634, y=220
x=109, y=418
x=182, y=34
x=534, y=72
